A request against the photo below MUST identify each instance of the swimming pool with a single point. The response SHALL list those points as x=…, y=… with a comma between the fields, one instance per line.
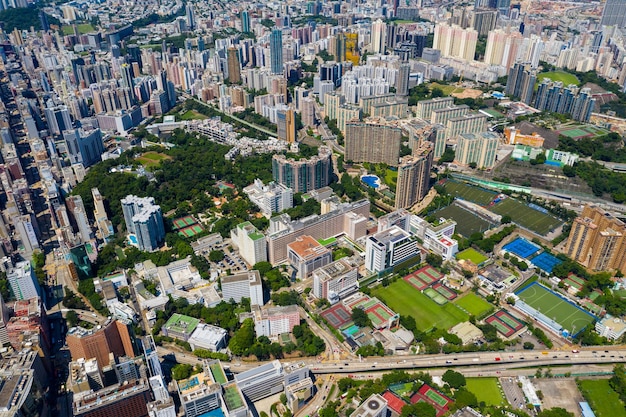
x=132, y=239
x=371, y=180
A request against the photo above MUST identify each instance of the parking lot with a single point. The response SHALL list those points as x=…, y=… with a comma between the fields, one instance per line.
x=513, y=392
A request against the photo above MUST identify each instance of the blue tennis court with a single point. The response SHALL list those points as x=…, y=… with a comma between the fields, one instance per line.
x=350, y=331
x=522, y=248
x=546, y=262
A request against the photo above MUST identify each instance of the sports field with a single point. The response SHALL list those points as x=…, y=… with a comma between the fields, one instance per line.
x=473, y=304
x=151, y=158
x=472, y=255
x=466, y=221
x=405, y=300
x=469, y=192
x=486, y=389
x=582, y=131
x=192, y=115
x=604, y=401
x=435, y=296
x=564, y=77
x=554, y=307
x=526, y=217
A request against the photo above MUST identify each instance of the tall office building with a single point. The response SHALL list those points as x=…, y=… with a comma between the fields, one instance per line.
x=190, y=17
x=286, y=125
x=614, y=14
x=414, y=177
x=521, y=82
x=58, y=119
x=373, y=141
x=245, y=21
x=84, y=147
x=276, y=51
x=250, y=242
x=402, y=82
x=304, y=175
x=478, y=148
x=23, y=282
x=234, y=69
x=378, y=37
x=389, y=248
x=127, y=398
x=78, y=214
x=144, y=220
x=598, y=240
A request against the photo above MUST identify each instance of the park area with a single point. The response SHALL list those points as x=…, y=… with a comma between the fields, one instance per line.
x=474, y=304
x=467, y=222
x=192, y=115
x=487, y=390
x=152, y=159
x=472, y=255
x=526, y=217
x=564, y=77
x=82, y=28
x=555, y=307
x=604, y=401
x=406, y=300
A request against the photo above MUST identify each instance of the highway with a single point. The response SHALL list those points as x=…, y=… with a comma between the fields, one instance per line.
x=482, y=361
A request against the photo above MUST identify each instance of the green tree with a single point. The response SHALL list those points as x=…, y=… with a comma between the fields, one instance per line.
x=454, y=379
x=72, y=318
x=464, y=398
x=529, y=346
x=216, y=256
x=421, y=409
x=555, y=412
x=242, y=339
x=181, y=371
x=360, y=318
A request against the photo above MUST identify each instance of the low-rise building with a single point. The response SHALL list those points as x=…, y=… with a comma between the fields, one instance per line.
x=611, y=327
x=270, y=198
x=180, y=327
x=374, y=406
x=208, y=337
x=273, y=321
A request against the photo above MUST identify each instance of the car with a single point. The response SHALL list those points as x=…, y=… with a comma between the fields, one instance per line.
x=575, y=351
x=448, y=361
x=554, y=357
x=603, y=356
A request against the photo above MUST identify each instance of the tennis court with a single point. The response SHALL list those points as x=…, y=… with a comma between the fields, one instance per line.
x=435, y=296
x=182, y=222
x=232, y=398
x=436, y=397
x=416, y=282
x=427, y=394
x=555, y=307
x=337, y=316
x=546, y=262
x=522, y=248
x=504, y=323
x=445, y=291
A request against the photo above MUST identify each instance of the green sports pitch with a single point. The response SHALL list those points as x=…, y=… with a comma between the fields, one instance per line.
x=473, y=255
x=469, y=192
x=406, y=300
x=526, y=217
x=564, y=77
x=569, y=316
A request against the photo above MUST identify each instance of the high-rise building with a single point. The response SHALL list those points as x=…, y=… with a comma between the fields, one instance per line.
x=262, y=381
x=389, y=248
x=477, y=148
x=199, y=394
x=303, y=175
x=378, y=35
x=128, y=398
x=373, y=141
x=454, y=41
x=402, y=82
x=414, y=177
x=598, y=240
x=502, y=47
x=144, y=221
x=58, y=119
x=190, y=17
x=250, y=242
x=554, y=97
x=483, y=20
x=276, y=51
x=84, y=147
x=521, y=82
x=23, y=282
x=274, y=321
x=614, y=14
x=244, y=285
x=234, y=70
x=424, y=109
x=113, y=337
x=286, y=125
x=245, y=21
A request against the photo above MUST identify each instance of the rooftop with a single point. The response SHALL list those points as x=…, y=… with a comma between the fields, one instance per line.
x=307, y=247
x=181, y=324
x=252, y=276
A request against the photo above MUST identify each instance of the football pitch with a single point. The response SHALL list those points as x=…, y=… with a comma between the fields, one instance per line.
x=526, y=217
x=469, y=192
x=554, y=307
x=474, y=304
x=472, y=255
x=406, y=300
x=466, y=221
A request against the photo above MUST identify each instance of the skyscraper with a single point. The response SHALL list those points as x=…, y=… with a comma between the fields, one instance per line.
x=521, y=82
x=402, y=83
x=245, y=21
x=373, y=141
x=276, y=51
x=378, y=37
x=234, y=71
x=286, y=125
x=598, y=240
x=455, y=41
x=144, y=220
x=614, y=14
x=304, y=175
x=414, y=177
x=190, y=17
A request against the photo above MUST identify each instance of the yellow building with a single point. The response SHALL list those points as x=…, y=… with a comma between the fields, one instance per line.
x=513, y=137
